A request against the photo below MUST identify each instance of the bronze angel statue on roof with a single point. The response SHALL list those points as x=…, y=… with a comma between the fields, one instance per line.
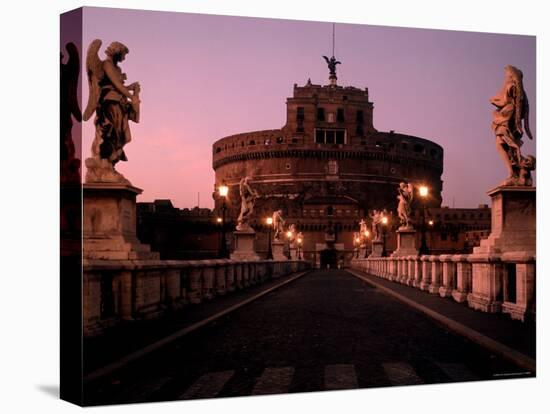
x=510, y=120
x=332, y=62
x=114, y=105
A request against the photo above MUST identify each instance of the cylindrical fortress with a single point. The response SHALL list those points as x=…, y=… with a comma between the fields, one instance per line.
x=328, y=166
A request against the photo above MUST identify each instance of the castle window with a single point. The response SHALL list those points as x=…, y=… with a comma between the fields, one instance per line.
x=320, y=136
x=294, y=140
x=300, y=114
x=359, y=117
x=340, y=115
x=288, y=166
x=359, y=130
x=331, y=117
x=218, y=149
x=300, y=119
x=280, y=140
x=330, y=211
x=320, y=114
x=252, y=142
x=267, y=141
x=330, y=136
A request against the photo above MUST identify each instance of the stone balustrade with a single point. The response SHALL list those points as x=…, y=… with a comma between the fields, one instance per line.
x=119, y=291
x=502, y=283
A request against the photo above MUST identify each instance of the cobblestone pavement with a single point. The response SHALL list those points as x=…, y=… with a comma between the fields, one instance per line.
x=325, y=331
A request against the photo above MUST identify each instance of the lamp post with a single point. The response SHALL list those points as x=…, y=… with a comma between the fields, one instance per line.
x=384, y=231
x=299, y=241
x=357, y=242
x=424, y=192
x=289, y=238
x=223, y=190
x=269, y=222
x=367, y=235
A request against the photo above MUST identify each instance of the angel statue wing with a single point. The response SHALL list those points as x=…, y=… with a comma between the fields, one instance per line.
x=526, y=117
x=71, y=80
x=327, y=59
x=94, y=69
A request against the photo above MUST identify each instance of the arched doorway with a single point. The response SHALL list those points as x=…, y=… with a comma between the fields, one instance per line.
x=328, y=258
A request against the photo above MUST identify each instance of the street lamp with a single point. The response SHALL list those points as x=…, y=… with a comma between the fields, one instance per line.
x=269, y=222
x=384, y=231
x=424, y=192
x=223, y=190
x=299, y=241
x=289, y=235
x=367, y=235
x=357, y=246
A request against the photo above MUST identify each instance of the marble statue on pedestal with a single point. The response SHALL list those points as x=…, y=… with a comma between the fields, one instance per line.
x=114, y=105
x=376, y=217
x=248, y=198
x=405, y=196
x=510, y=120
x=278, y=224
x=362, y=228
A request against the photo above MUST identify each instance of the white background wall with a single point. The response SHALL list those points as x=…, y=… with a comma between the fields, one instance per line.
x=29, y=209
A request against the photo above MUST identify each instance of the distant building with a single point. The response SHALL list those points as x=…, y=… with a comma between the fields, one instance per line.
x=178, y=233
x=456, y=229
x=327, y=166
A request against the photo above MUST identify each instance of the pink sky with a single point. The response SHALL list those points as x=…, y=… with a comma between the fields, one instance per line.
x=204, y=77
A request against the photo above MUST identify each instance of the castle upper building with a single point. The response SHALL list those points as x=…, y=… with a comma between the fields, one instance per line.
x=328, y=166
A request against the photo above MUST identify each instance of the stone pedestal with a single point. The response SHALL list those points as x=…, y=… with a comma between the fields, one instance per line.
x=293, y=252
x=513, y=232
x=244, y=245
x=377, y=248
x=278, y=248
x=513, y=222
x=109, y=223
x=406, y=242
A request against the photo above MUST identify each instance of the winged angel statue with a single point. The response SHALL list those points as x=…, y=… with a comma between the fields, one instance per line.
x=331, y=63
x=405, y=196
x=510, y=119
x=114, y=105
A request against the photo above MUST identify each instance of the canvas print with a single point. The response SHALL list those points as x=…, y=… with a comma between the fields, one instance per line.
x=256, y=206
